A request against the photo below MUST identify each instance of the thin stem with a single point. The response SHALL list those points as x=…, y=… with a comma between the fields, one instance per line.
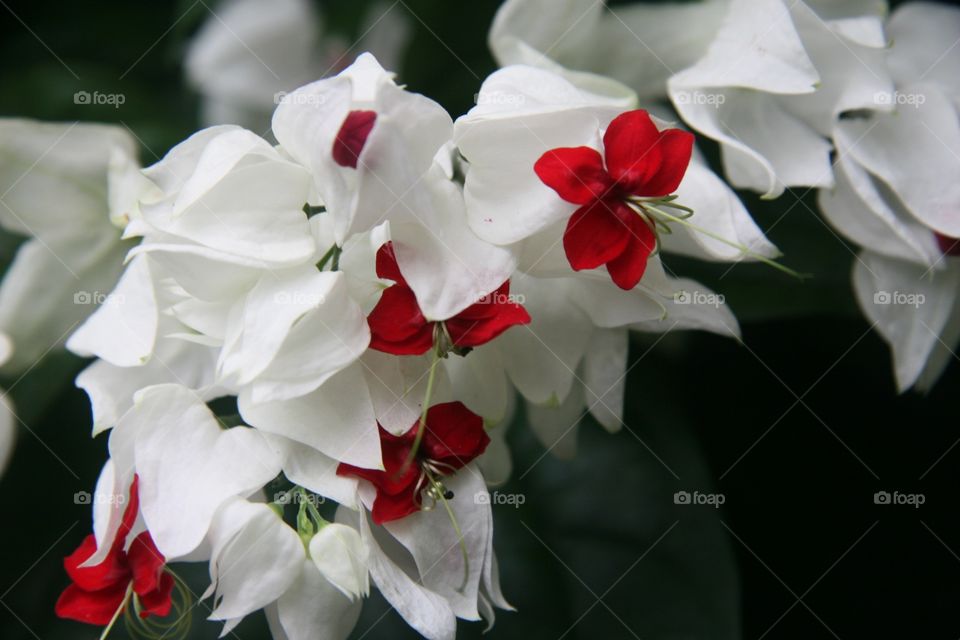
x=422, y=425
x=438, y=490
x=116, y=614
x=743, y=248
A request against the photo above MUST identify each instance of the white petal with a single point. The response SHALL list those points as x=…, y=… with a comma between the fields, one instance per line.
x=480, y=382
x=123, y=330
x=337, y=419
x=913, y=151
x=427, y=612
x=53, y=177
x=111, y=388
x=430, y=537
x=341, y=557
x=256, y=557
x=312, y=608
x=556, y=425
x=605, y=375
x=694, y=306
x=910, y=306
x=310, y=469
x=924, y=36
x=718, y=210
x=189, y=465
x=444, y=262
x=8, y=431
x=53, y=285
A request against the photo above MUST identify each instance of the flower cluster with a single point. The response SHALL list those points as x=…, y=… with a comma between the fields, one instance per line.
x=344, y=318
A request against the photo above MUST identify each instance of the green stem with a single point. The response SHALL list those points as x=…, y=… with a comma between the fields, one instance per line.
x=743, y=248
x=422, y=425
x=116, y=614
x=438, y=490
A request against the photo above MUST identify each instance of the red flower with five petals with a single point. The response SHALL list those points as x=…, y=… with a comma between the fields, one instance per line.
x=98, y=591
x=638, y=161
x=397, y=325
x=453, y=436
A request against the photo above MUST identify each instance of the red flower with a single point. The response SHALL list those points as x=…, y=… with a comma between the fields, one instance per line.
x=398, y=326
x=453, y=436
x=949, y=246
x=352, y=136
x=98, y=591
x=639, y=161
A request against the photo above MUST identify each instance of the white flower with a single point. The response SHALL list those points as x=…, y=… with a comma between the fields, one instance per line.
x=772, y=83
x=387, y=139
x=62, y=186
x=638, y=44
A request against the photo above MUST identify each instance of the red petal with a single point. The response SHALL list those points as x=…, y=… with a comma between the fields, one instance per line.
x=394, y=478
x=644, y=161
x=387, y=266
x=393, y=507
x=396, y=324
x=92, y=607
x=575, y=173
x=112, y=571
x=465, y=332
x=146, y=563
x=676, y=147
x=455, y=435
x=949, y=246
x=158, y=601
x=352, y=136
x=630, y=149
x=627, y=269
x=596, y=234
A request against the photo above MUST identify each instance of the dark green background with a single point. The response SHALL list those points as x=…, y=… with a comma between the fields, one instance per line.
x=703, y=413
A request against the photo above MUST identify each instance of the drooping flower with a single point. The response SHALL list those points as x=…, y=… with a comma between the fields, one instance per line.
x=452, y=437
x=639, y=161
x=100, y=590
x=398, y=326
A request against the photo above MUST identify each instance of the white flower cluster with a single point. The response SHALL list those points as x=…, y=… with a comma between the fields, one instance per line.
x=306, y=353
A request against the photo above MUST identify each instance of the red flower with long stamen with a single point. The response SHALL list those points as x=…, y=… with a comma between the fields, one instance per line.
x=398, y=326
x=638, y=161
x=453, y=436
x=98, y=591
